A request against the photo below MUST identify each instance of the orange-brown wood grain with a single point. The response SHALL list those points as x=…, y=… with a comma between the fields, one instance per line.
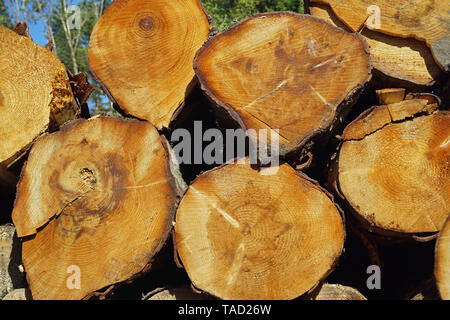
x=142, y=52
x=244, y=235
x=99, y=195
x=283, y=71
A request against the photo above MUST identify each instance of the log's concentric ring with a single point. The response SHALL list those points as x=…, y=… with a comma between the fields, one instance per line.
x=100, y=194
x=406, y=60
x=33, y=85
x=283, y=71
x=338, y=292
x=394, y=167
x=242, y=235
x=142, y=53
x=425, y=20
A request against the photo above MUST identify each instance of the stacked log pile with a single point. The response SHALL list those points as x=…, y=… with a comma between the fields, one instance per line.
x=408, y=39
x=104, y=208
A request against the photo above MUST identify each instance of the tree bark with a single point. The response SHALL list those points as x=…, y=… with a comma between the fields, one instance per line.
x=284, y=71
x=35, y=96
x=10, y=261
x=97, y=196
x=151, y=74
x=406, y=62
x=241, y=234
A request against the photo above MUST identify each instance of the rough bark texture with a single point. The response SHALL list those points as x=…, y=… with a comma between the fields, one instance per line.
x=402, y=60
x=284, y=71
x=10, y=260
x=254, y=247
x=151, y=74
x=103, y=201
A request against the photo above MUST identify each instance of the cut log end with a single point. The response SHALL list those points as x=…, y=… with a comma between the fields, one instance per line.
x=6, y=250
x=283, y=71
x=338, y=292
x=151, y=74
x=391, y=95
x=35, y=93
x=98, y=200
x=177, y=294
x=394, y=164
x=442, y=262
x=427, y=21
x=405, y=60
x=22, y=29
x=254, y=247
x=16, y=295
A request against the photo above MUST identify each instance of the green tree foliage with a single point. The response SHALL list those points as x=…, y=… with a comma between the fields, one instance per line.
x=228, y=12
x=14, y=11
x=4, y=16
x=71, y=44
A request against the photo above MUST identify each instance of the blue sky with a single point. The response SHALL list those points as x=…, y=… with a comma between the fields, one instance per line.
x=38, y=33
x=37, y=29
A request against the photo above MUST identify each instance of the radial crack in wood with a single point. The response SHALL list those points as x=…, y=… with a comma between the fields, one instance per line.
x=393, y=167
x=401, y=59
x=284, y=71
x=277, y=242
x=427, y=20
x=97, y=195
x=142, y=52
